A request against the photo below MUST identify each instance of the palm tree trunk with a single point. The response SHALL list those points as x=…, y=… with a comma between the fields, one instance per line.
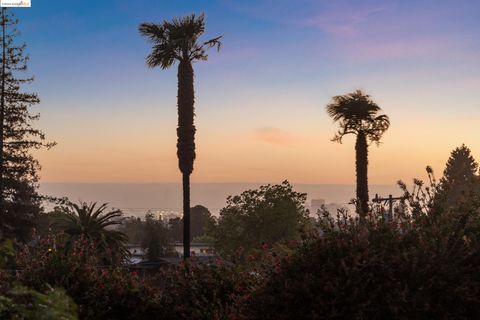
x=361, y=153
x=186, y=215
x=186, y=142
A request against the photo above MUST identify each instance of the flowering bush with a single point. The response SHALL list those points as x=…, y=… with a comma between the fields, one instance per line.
x=202, y=291
x=100, y=292
x=192, y=290
x=424, y=268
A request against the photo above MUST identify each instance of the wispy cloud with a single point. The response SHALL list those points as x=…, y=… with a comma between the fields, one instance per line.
x=343, y=21
x=341, y=18
x=444, y=47
x=273, y=136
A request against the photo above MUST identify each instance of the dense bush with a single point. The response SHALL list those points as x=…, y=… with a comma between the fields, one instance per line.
x=205, y=291
x=189, y=291
x=422, y=268
x=100, y=292
x=23, y=303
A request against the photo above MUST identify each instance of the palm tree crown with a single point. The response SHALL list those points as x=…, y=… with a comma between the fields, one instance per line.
x=177, y=40
x=356, y=112
x=90, y=222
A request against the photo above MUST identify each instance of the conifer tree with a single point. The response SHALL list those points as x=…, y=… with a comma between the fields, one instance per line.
x=20, y=202
x=460, y=177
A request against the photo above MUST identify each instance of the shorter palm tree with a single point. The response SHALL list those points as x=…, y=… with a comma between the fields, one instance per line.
x=87, y=221
x=356, y=113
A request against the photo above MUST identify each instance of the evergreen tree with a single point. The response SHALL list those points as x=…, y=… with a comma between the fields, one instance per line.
x=19, y=201
x=155, y=239
x=460, y=179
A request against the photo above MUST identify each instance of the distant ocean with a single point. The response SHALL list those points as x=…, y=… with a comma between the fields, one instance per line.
x=137, y=198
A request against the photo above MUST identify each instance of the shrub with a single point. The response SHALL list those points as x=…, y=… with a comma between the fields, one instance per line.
x=203, y=291
x=100, y=292
x=24, y=303
x=422, y=268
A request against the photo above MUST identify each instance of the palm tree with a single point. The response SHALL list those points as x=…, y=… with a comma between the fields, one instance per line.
x=178, y=41
x=90, y=222
x=356, y=113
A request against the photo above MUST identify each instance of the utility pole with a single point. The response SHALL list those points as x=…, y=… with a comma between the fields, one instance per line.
x=390, y=201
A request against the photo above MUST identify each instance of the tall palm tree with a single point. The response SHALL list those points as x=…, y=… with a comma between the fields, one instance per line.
x=178, y=41
x=92, y=223
x=357, y=114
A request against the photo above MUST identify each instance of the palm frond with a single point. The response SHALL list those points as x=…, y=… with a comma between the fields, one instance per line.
x=92, y=222
x=357, y=112
x=176, y=40
x=154, y=32
x=215, y=42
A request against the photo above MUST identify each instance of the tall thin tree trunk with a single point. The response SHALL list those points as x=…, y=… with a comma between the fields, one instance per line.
x=186, y=142
x=2, y=116
x=186, y=215
x=361, y=153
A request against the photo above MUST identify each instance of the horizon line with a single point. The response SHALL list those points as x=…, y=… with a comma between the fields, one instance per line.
x=179, y=183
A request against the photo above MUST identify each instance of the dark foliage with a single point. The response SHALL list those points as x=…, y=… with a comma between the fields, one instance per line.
x=460, y=180
x=133, y=228
x=100, y=292
x=19, y=302
x=411, y=268
x=155, y=239
x=200, y=221
x=20, y=203
x=270, y=214
x=95, y=224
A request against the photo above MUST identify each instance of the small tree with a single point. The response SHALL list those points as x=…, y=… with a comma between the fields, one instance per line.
x=266, y=215
x=87, y=221
x=133, y=227
x=460, y=178
x=200, y=220
x=155, y=239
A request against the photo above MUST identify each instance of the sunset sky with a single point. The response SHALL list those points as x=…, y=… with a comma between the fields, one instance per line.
x=259, y=101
